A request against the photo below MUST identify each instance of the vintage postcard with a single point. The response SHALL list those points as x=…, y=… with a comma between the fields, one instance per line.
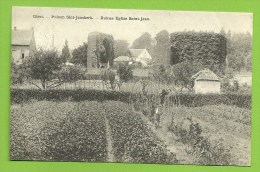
x=131, y=86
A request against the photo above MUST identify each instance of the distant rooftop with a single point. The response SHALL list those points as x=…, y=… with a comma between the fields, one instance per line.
x=135, y=52
x=122, y=59
x=21, y=37
x=206, y=75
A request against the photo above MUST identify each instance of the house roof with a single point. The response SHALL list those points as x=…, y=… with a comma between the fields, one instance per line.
x=122, y=59
x=205, y=75
x=22, y=37
x=135, y=52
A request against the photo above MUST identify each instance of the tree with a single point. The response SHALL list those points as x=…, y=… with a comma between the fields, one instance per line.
x=109, y=78
x=209, y=49
x=144, y=41
x=44, y=66
x=163, y=74
x=240, y=51
x=236, y=61
x=248, y=61
x=161, y=50
x=184, y=71
x=223, y=32
x=70, y=74
x=103, y=46
x=19, y=73
x=65, y=54
x=125, y=72
x=108, y=43
x=121, y=48
x=79, y=55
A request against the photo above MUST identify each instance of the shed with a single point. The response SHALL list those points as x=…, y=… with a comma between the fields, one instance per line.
x=206, y=81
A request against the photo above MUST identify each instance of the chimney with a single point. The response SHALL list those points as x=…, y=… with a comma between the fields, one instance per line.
x=15, y=28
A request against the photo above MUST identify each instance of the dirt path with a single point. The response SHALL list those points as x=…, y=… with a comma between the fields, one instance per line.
x=170, y=141
x=110, y=155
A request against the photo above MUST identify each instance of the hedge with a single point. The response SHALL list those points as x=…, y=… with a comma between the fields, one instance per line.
x=206, y=48
x=190, y=100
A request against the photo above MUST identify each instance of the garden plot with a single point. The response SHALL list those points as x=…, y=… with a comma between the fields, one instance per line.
x=111, y=131
x=133, y=141
x=32, y=124
x=221, y=124
x=66, y=131
x=87, y=131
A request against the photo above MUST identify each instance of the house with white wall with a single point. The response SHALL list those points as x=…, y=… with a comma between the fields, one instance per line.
x=23, y=44
x=140, y=55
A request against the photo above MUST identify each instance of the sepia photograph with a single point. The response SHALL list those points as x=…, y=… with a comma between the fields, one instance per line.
x=131, y=86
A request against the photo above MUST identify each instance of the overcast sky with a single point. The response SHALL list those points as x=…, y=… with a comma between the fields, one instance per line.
x=76, y=31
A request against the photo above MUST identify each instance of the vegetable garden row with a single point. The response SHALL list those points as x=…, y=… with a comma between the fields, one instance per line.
x=78, y=133
x=133, y=141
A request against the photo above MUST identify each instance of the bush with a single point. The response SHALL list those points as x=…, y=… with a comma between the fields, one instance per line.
x=208, y=153
x=125, y=72
x=70, y=74
x=24, y=95
x=189, y=100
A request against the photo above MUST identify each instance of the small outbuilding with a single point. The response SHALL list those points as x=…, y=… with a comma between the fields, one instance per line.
x=206, y=81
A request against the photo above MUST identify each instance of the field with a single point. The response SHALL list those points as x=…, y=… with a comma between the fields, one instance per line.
x=113, y=131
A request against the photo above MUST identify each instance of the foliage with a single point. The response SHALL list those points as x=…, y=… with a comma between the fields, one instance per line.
x=109, y=77
x=65, y=54
x=144, y=41
x=190, y=133
x=232, y=86
x=184, y=71
x=133, y=142
x=79, y=55
x=54, y=131
x=209, y=49
x=31, y=124
x=19, y=73
x=125, y=72
x=81, y=136
x=70, y=74
x=161, y=50
x=239, y=51
x=121, y=48
x=103, y=46
x=108, y=43
x=162, y=74
x=44, y=66
x=189, y=100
